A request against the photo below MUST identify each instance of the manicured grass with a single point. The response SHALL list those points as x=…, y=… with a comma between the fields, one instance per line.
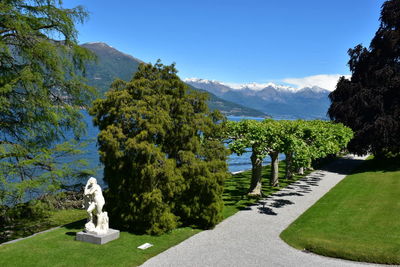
x=28, y=226
x=59, y=248
x=359, y=219
x=61, y=217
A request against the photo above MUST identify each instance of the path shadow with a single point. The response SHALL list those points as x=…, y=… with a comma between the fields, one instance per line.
x=279, y=203
x=267, y=211
x=271, y=204
x=284, y=194
x=266, y=208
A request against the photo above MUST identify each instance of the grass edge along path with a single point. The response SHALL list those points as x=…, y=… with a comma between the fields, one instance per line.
x=59, y=248
x=358, y=219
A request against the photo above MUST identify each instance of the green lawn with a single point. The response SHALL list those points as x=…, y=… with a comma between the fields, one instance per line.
x=58, y=247
x=27, y=226
x=359, y=219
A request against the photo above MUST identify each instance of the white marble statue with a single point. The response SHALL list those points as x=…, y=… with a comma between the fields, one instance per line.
x=94, y=202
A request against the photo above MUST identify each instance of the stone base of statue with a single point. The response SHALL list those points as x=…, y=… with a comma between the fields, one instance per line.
x=99, y=239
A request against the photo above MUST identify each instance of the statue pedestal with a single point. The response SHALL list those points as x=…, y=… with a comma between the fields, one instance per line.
x=111, y=235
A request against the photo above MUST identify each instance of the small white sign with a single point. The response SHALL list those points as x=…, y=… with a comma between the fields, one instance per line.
x=145, y=246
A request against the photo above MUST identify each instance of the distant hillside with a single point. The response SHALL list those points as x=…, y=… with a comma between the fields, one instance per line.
x=281, y=102
x=112, y=64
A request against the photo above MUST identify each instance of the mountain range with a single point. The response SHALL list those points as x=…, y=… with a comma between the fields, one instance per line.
x=252, y=99
x=281, y=102
x=112, y=64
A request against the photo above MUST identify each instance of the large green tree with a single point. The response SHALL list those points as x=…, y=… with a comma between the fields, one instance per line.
x=369, y=102
x=293, y=146
x=263, y=139
x=163, y=159
x=41, y=93
x=244, y=135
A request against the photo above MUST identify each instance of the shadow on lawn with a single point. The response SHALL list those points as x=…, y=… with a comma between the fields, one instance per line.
x=343, y=165
x=71, y=233
x=381, y=165
x=75, y=225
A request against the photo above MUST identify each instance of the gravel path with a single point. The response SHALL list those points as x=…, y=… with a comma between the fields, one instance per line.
x=251, y=237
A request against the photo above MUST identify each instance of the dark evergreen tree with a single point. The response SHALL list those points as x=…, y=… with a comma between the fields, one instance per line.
x=164, y=161
x=369, y=103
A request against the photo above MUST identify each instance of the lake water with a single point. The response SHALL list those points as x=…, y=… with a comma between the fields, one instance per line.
x=235, y=163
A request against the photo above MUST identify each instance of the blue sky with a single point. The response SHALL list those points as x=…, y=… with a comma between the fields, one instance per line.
x=236, y=41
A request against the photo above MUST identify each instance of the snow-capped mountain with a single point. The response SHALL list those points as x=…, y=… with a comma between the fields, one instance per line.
x=214, y=87
x=220, y=87
x=278, y=100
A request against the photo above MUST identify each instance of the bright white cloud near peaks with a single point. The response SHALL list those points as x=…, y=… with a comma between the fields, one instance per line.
x=326, y=81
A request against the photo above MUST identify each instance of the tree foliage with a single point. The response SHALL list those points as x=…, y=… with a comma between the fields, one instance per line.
x=41, y=91
x=300, y=141
x=164, y=161
x=369, y=102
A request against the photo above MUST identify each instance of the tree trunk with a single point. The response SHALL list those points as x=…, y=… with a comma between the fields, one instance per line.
x=274, y=169
x=309, y=167
x=300, y=171
x=256, y=167
x=289, y=163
